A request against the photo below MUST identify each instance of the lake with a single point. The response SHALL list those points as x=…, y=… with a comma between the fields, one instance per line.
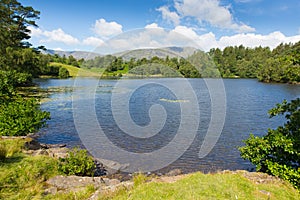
x=147, y=122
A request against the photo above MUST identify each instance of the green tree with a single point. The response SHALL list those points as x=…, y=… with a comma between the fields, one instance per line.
x=278, y=152
x=14, y=23
x=63, y=73
x=18, y=115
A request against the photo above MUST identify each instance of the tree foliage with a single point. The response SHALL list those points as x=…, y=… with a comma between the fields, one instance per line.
x=282, y=64
x=14, y=23
x=18, y=64
x=278, y=152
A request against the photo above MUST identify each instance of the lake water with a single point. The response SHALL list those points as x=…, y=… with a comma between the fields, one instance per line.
x=247, y=103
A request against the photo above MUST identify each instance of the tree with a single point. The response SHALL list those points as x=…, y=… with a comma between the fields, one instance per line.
x=278, y=152
x=18, y=115
x=14, y=23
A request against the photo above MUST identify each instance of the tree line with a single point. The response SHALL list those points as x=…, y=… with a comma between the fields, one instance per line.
x=278, y=65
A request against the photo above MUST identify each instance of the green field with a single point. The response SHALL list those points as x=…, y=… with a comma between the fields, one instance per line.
x=75, y=71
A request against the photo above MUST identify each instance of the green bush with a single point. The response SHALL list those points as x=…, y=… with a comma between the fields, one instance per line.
x=10, y=80
x=18, y=115
x=63, y=73
x=21, y=117
x=78, y=162
x=278, y=152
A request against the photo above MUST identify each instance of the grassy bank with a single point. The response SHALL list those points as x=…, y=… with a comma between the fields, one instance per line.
x=230, y=185
x=24, y=177
x=75, y=71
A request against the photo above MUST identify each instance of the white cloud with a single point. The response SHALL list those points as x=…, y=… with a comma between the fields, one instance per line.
x=212, y=12
x=57, y=35
x=153, y=36
x=107, y=29
x=92, y=41
x=253, y=40
x=35, y=32
x=58, y=49
x=153, y=25
x=168, y=15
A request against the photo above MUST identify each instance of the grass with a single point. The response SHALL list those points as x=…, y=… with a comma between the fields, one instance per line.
x=24, y=177
x=208, y=186
x=78, y=195
x=75, y=71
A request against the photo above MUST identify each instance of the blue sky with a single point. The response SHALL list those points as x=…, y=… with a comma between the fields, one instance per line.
x=85, y=25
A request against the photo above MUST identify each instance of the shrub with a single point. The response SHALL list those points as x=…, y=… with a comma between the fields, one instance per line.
x=18, y=115
x=9, y=80
x=78, y=162
x=278, y=152
x=63, y=73
x=3, y=152
x=21, y=116
x=139, y=178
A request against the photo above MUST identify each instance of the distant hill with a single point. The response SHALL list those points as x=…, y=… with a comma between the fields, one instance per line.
x=76, y=54
x=126, y=55
x=159, y=52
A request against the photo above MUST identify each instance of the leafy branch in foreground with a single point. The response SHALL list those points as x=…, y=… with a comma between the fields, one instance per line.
x=278, y=152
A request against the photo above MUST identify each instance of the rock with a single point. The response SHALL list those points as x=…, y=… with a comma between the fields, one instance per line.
x=32, y=145
x=111, y=166
x=100, y=169
x=51, y=190
x=58, y=152
x=111, y=188
x=71, y=183
x=49, y=146
x=174, y=172
x=41, y=152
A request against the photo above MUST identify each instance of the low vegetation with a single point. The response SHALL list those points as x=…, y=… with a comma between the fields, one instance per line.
x=78, y=162
x=24, y=177
x=207, y=186
x=18, y=115
x=278, y=152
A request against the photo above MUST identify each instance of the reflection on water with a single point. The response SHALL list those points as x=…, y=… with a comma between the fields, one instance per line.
x=247, y=104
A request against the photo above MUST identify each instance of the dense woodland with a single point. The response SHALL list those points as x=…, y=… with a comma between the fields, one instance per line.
x=278, y=65
x=282, y=64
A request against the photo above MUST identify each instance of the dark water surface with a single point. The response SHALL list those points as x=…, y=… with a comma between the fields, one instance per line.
x=247, y=103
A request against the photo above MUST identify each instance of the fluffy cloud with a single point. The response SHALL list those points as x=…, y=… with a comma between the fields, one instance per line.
x=204, y=11
x=153, y=25
x=92, y=41
x=57, y=35
x=168, y=15
x=107, y=29
x=154, y=36
x=253, y=40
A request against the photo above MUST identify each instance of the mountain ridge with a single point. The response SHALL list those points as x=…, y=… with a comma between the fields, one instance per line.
x=127, y=55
